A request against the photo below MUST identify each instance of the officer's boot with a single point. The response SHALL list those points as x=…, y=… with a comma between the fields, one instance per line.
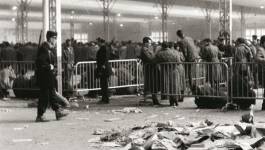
x=60, y=113
x=40, y=118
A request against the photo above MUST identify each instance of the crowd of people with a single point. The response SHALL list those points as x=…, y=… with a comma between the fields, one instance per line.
x=247, y=73
x=151, y=53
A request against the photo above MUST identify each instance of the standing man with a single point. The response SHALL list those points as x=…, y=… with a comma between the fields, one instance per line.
x=103, y=71
x=151, y=72
x=171, y=73
x=190, y=52
x=46, y=78
x=68, y=63
x=260, y=58
x=210, y=53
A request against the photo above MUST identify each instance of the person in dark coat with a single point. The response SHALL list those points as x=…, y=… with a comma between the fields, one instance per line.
x=210, y=53
x=151, y=72
x=103, y=71
x=46, y=78
x=68, y=63
x=242, y=79
x=260, y=58
x=190, y=52
x=242, y=55
x=181, y=70
x=171, y=72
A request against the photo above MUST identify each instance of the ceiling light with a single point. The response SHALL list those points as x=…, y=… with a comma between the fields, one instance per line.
x=118, y=14
x=72, y=12
x=90, y=23
x=156, y=17
x=261, y=7
x=14, y=8
x=121, y=25
x=13, y=19
x=72, y=17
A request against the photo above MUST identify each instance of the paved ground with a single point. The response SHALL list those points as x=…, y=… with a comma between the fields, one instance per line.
x=19, y=131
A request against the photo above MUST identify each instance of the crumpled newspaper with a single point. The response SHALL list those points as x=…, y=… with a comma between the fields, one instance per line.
x=170, y=136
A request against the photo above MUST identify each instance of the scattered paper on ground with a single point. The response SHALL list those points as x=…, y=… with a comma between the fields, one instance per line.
x=128, y=110
x=80, y=118
x=195, y=136
x=21, y=128
x=112, y=119
x=21, y=140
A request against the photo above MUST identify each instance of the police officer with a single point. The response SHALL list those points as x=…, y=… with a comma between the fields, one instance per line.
x=46, y=79
x=103, y=71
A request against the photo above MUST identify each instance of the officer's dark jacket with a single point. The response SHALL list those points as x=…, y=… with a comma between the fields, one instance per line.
x=45, y=58
x=103, y=66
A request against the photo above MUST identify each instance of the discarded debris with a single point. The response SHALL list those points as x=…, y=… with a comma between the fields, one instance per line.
x=168, y=136
x=128, y=110
x=21, y=140
x=100, y=132
x=179, y=117
x=112, y=119
x=94, y=140
x=110, y=144
x=21, y=128
x=80, y=118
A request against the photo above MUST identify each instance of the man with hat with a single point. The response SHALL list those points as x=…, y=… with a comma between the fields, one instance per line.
x=46, y=78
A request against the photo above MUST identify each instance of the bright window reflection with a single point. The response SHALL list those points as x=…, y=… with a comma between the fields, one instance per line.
x=157, y=36
x=81, y=37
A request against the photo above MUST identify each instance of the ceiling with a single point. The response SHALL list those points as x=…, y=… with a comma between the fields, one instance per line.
x=131, y=10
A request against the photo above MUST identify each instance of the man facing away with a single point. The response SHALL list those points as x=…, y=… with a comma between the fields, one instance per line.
x=190, y=52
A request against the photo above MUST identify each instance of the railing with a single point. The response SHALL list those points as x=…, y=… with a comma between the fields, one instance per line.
x=125, y=74
x=172, y=79
x=237, y=82
x=24, y=72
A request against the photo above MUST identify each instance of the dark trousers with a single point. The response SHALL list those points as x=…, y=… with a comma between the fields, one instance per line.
x=189, y=73
x=4, y=92
x=104, y=88
x=47, y=96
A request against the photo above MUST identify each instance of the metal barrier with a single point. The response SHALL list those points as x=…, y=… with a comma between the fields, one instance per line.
x=240, y=81
x=24, y=72
x=125, y=74
x=204, y=79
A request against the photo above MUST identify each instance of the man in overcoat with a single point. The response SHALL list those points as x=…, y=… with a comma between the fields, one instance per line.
x=151, y=72
x=46, y=78
x=190, y=52
x=103, y=71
